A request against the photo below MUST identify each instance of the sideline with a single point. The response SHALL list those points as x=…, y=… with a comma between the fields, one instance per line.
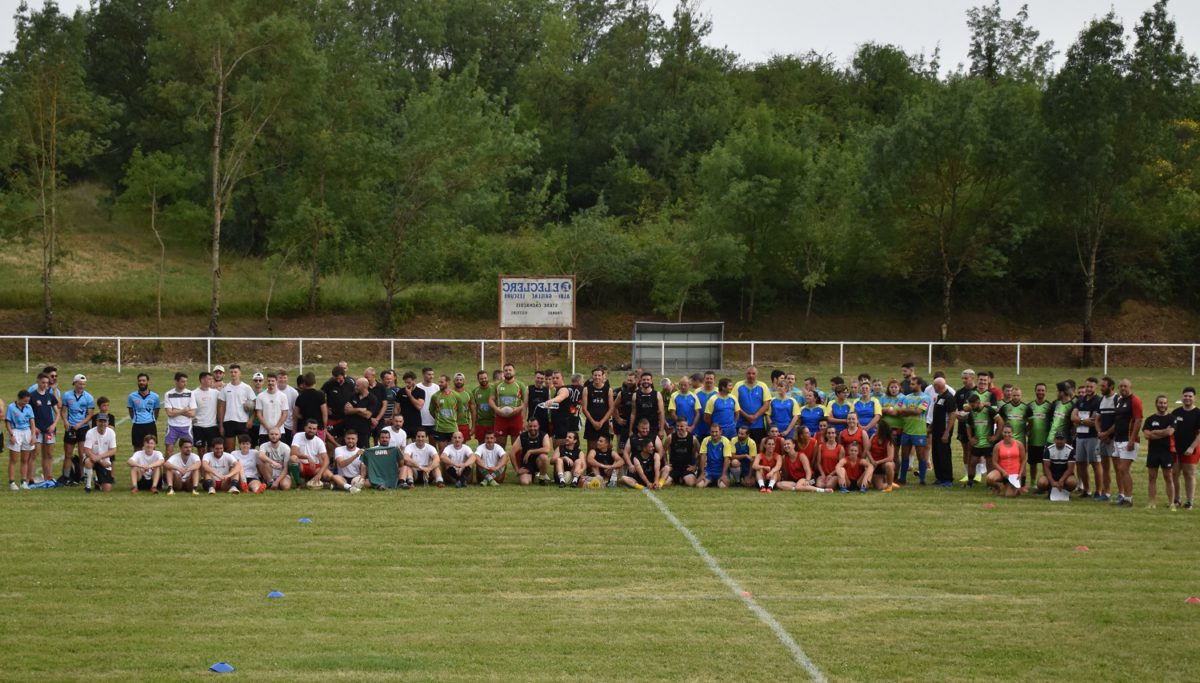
x=780, y=632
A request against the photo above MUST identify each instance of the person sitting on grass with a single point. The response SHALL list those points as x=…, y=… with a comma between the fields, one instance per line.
x=568, y=465
x=273, y=458
x=99, y=448
x=310, y=458
x=1008, y=457
x=829, y=454
x=348, y=458
x=531, y=453
x=490, y=460
x=1058, y=466
x=883, y=460
x=854, y=471
x=248, y=457
x=421, y=464
x=603, y=462
x=682, y=448
x=458, y=461
x=145, y=467
x=796, y=470
x=745, y=450
x=717, y=451
x=221, y=471
x=767, y=464
x=644, y=467
x=183, y=469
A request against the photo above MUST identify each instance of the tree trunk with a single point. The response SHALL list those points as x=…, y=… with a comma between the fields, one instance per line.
x=808, y=306
x=682, y=301
x=218, y=208
x=947, y=294
x=49, y=185
x=1089, y=304
x=314, y=280
x=162, y=264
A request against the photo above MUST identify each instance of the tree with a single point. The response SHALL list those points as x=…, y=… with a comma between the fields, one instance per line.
x=232, y=68
x=952, y=178
x=151, y=182
x=1007, y=48
x=53, y=122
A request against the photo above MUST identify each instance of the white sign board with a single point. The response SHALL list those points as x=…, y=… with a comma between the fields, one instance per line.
x=537, y=301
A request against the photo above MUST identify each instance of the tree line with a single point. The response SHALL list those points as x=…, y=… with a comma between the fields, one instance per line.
x=420, y=141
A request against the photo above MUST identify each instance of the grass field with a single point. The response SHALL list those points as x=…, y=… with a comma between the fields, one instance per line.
x=538, y=584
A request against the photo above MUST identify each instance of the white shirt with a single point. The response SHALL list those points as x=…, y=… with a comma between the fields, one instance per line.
x=249, y=462
x=422, y=456
x=177, y=462
x=277, y=454
x=222, y=466
x=98, y=443
x=142, y=459
x=273, y=406
x=398, y=437
x=234, y=396
x=350, y=470
x=426, y=416
x=179, y=400
x=312, y=449
x=206, y=406
x=289, y=422
x=459, y=455
x=489, y=456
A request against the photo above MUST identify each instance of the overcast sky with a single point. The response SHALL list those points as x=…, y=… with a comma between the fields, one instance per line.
x=758, y=29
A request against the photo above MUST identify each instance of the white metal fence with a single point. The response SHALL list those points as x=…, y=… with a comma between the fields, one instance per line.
x=573, y=345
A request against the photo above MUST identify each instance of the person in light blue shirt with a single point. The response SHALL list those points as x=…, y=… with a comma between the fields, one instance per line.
x=78, y=408
x=143, y=406
x=18, y=420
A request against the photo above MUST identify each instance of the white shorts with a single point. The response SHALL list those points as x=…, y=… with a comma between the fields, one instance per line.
x=42, y=437
x=1119, y=450
x=21, y=441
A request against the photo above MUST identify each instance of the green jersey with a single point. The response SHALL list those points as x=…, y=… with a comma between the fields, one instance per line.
x=1016, y=416
x=914, y=425
x=484, y=417
x=509, y=395
x=981, y=422
x=446, y=409
x=1039, y=422
x=464, y=412
x=1060, y=418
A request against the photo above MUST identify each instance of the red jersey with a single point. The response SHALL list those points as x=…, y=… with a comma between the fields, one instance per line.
x=829, y=457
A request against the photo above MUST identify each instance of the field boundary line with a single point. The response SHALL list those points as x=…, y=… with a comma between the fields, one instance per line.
x=759, y=611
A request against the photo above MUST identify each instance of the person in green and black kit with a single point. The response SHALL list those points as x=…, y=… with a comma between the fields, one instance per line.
x=981, y=419
x=1038, y=433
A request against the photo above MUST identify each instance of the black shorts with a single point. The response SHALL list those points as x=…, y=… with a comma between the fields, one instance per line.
x=592, y=433
x=144, y=484
x=564, y=425
x=981, y=451
x=420, y=477
x=1035, y=454
x=678, y=472
x=529, y=464
x=204, y=437
x=1058, y=470
x=138, y=432
x=442, y=436
x=1163, y=460
x=104, y=475
x=234, y=429
x=72, y=435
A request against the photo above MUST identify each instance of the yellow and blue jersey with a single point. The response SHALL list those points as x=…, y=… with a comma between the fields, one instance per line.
x=686, y=406
x=715, y=452
x=811, y=417
x=751, y=398
x=782, y=411
x=866, y=411
x=839, y=411
x=723, y=411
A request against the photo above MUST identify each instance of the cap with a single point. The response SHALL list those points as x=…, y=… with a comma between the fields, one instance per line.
x=459, y=375
x=218, y=368
x=78, y=378
x=1059, y=435
x=102, y=416
x=257, y=375
x=974, y=397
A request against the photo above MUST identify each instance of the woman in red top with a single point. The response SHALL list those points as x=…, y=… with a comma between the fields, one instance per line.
x=883, y=457
x=854, y=470
x=854, y=432
x=828, y=455
x=1009, y=456
x=797, y=472
x=767, y=464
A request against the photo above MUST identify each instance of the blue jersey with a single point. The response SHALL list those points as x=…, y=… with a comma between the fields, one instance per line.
x=840, y=411
x=703, y=397
x=866, y=411
x=782, y=411
x=724, y=412
x=19, y=418
x=686, y=406
x=143, y=407
x=77, y=406
x=43, y=408
x=811, y=418
x=750, y=399
x=715, y=453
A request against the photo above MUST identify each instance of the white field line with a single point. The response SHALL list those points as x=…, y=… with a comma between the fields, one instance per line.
x=780, y=632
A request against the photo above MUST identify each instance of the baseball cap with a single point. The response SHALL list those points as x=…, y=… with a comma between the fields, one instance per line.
x=257, y=375
x=1059, y=435
x=459, y=375
x=218, y=368
x=78, y=378
x=102, y=416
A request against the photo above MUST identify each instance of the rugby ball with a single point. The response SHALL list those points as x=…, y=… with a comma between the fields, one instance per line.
x=248, y=406
x=504, y=411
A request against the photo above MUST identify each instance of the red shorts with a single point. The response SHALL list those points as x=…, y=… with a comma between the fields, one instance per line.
x=481, y=432
x=509, y=426
x=308, y=470
x=1185, y=459
x=465, y=430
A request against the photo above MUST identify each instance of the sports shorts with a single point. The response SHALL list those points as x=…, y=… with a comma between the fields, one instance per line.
x=1087, y=450
x=442, y=436
x=465, y=430
x=981, y=451
x=1164, y=460
x=204, y=437
x=1106, y=449
x=144, y=484
x=43, y=437
x=1035, y=454
x=21, y=440
x=1121, y=450
x=174, y=434
x=914, y=440
x=234, y=428
x=509, y=426
x=72, y=435
x=481, y=432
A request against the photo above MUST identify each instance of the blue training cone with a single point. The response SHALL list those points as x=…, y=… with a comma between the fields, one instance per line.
x=305, y=520
x=221, y=668
x=274, y=594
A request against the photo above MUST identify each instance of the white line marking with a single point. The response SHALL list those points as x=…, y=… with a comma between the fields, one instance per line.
x=780, y=632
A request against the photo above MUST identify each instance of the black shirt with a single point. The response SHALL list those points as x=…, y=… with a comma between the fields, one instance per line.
x=308, y=406
x=683, y=450
x=358, y=423
x=943, y=405
x=1159, y=447
x=598, y=401
x=408, y=409
x=380, y=392
x=647, y=409
x=1122, y=417
x=538, y=396
x=336, y=395
x=1087, y=407
x=1187, y=423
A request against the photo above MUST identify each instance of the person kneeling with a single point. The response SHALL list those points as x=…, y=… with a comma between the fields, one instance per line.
x=221, y=471
x=99, y=448
x=183, y=469
x=853, y=470
x=145, y=467
x=1009, y=456
x=1058, y=466
x=458, y=461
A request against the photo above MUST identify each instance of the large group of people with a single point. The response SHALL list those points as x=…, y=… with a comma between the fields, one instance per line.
x=388, y=430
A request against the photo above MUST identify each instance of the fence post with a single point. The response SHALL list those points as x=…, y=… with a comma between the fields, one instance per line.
x=930, y=370
x=752, y=353
x=841, y=358
x=26, y=355
x=1106, y=359
x=301, y=356
x=663, y=360
x=118, y=355
x=1018, y=359
x=482, y=360
x=208, y=345
x=572, y=355
x=392, y=353
x=1193, y=360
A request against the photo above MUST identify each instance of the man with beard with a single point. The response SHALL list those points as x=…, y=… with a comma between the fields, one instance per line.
x=648, y=405
x=563, y=406
x=508, y=403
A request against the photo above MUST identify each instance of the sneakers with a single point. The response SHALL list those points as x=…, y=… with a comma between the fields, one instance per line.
x=638, y=487
x=562, y=484
x=12, y=486
x=460, y=483
x=441, y=484
x=543, y=480
x=1187, y=505
x=863, y=489
x=171, y=491
x=612, y=484
x=24, y=485
x=211, y=490
x=964, y=480
x=763, y=489
x=843, y=489
x=1152, y=506
x=404, y=485
x=1124, y=502
x=1103, y=498
x=236, y=490
x=195, y=492
x=1174, y=507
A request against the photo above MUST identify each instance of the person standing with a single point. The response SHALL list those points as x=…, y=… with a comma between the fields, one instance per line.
x=1158, y=430
x=1085, y=417
x=410, y=401
x=598, y=409
x=483, y=417
x=684, y=404
x=1186, y=420
x=754, y=398
x=429, y=388
x=206, y=429
x=1039, y=415
x=1104, y=435
x=647, y=405
x=941, y=432
x=915, y=436
x=338, y=391
x=1126, y=433
x=271, y=408
x=78, y=408
x=18, y=423
x=310, y=406
x=45, y=404
x=289, y=423
x=361, y=410
x=235, y=405
x=143, y=406
x=508, y=404
x=180, y=404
